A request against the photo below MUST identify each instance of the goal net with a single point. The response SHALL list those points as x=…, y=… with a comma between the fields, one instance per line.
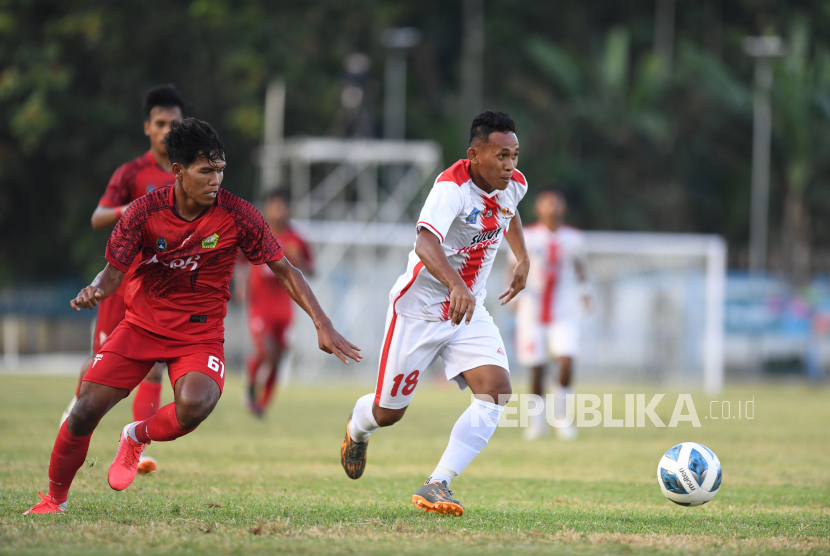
x=657, y=316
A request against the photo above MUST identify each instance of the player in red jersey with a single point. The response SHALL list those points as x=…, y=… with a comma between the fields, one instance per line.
x=270, y=311
x=163, y=105
x=187, y=239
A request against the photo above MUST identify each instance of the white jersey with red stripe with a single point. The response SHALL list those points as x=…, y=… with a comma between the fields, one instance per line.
x=470, y=225
x=552, y=290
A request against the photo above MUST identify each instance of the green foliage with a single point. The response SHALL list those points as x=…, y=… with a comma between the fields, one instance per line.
x=637, y=145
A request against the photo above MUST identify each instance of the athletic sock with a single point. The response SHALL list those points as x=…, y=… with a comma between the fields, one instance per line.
x=469, y=436
x=147, y=400
x=268, y=389
x=161, y=427
x=560, y=400
x=538, y=422
x=363, y=422
x=68, y=454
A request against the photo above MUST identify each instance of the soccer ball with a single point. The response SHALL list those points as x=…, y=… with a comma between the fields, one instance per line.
x=689, y=474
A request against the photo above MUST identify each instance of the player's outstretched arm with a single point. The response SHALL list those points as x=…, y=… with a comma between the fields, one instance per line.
x=328, y=338
x=516, y=239
x=103, y=286
x=462, y=301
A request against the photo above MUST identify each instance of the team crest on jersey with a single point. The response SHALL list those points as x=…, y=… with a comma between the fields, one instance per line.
x=161, y=244
x=210, y=241
x=506, y=212
x=473, y=216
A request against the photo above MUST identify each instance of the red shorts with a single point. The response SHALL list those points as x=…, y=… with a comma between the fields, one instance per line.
x=130, y=353
x=110, y=314
x=272, y=328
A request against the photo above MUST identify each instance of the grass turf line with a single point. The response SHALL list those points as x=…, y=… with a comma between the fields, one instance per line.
x=238, y=485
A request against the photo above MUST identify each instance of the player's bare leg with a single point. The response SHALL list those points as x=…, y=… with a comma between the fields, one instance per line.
x=537, y=424
x=146, y=403
x=72, y=443
x=195, y=394
x=561, y=391
x=84, y=366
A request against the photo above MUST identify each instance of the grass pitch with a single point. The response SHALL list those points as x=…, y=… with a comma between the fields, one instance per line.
x=238, y=485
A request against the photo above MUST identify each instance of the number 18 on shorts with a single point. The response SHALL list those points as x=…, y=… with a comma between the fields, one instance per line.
x=411, y=345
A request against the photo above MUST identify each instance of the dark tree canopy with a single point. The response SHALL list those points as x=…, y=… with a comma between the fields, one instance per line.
x=635, y=145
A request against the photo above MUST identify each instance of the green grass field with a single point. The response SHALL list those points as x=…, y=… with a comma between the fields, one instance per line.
x=239, y=486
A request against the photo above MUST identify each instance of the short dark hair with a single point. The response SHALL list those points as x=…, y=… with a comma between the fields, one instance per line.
x=283, y=194
x=553, y=189
x=165, y=96
x=191, y=139
x=489, y=121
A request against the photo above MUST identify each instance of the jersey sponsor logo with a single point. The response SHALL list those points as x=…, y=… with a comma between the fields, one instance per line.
x=489, y=213
x=161, y=244
x=500, y=351
x=211, y=241
x=484, y=236
x=97, y=358
x=198, y=318
x=473, y=217
x=192, y=261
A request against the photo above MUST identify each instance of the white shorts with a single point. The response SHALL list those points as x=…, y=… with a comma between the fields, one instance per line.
x=537, y=343
x=411, y=344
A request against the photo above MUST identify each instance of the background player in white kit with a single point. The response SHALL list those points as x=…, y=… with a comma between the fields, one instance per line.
x=548, y=313
x=436, y=307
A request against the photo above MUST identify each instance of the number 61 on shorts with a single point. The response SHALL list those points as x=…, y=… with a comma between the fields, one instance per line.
x=215, y=365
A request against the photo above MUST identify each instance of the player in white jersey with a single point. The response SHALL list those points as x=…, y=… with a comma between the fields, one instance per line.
x=436, y=307
x=548, y=313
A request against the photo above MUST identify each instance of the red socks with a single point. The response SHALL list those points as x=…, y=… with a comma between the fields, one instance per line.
x=147, y=400
x=68, y=455
x=268, y=390
x=161, y=427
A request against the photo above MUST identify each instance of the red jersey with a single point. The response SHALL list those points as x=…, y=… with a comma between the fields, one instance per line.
x=180, y=288
x=265, y=295
x=135, y=179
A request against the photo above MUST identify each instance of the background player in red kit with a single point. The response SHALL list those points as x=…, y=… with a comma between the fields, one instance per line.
x=187, y=239
x=270, y=309
x=163, y=105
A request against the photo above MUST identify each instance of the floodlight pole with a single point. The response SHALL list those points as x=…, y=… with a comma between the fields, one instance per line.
x=398, y=41
x=763, y=49
x=272, y=136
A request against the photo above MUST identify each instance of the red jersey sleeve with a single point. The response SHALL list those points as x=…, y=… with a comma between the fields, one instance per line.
x=127, y=238
x=119, y=189
x=253, y=235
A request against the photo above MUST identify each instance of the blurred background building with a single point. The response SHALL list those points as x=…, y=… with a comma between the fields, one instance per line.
x=664, y=122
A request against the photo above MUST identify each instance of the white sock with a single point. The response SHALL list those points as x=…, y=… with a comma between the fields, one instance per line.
x=469, y=436
x=363, y=422
x=560, y=400
x=131, y=432
x=538, y=422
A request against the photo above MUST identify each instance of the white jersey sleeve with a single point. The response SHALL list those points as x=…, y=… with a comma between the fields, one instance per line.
x=444, y=203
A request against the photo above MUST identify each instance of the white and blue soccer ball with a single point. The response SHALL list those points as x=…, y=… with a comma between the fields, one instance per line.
x=689, y=474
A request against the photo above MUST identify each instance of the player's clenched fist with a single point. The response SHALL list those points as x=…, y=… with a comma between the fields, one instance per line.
x=462, y=303
x=89, y=298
